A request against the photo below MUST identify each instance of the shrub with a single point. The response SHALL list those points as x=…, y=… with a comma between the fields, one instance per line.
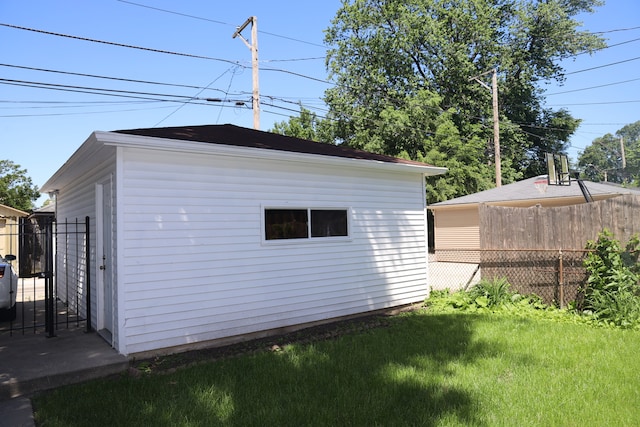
x=487, y=295
x=492, y=293
x=612, y=290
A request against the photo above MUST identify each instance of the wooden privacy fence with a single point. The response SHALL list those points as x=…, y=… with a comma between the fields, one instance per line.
x=565, y=227
x=539, y=249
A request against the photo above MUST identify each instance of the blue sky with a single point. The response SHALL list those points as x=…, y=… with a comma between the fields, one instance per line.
x=40, y=128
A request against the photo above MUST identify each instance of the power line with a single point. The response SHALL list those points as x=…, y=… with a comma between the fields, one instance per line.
x=129, y=94
x=174, y=13
x=616, y=30
x=592, y=87
x=159, y=51
x=596, y=103
x=193, y=98
x=106, y=112
x=70, y=73
x=603, y=66
x=218, y=22
x=147, y=49
x=109, y=92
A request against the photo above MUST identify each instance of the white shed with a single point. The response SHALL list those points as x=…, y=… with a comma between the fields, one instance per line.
x=210, y=234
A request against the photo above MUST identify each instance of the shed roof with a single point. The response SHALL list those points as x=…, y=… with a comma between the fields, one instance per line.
x=226, y=140
x=526, y=190
x=243, y=137
x=9, y=212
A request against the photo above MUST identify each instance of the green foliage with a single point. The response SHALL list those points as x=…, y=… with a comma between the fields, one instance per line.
x=306, y=126
x=16, y=188
x=602, y=160
x=496, y=292
x=612, y=291
x=403, y=71
x=486, y=296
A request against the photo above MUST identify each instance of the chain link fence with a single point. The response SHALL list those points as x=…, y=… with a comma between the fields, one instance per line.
x=556, y=276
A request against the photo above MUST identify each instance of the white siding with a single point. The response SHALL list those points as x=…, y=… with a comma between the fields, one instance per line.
x=195, y=266
x=75, y=202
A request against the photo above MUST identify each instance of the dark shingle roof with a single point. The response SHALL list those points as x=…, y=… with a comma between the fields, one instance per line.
x=243, y=137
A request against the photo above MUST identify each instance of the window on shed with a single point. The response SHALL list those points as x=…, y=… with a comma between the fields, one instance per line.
x=286, y=224
x=305, y=223
x=326, y=223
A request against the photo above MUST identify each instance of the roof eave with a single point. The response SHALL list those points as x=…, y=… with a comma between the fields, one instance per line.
x=166, y=144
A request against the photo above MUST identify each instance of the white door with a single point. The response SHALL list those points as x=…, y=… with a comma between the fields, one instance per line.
x=104, y=210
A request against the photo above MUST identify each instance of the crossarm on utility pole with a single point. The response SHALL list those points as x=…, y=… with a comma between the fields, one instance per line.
x=253, y=46
x=496, y=118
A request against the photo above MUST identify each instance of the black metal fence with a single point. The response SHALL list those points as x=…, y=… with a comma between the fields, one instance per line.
x=557, y=275
x=46, y=251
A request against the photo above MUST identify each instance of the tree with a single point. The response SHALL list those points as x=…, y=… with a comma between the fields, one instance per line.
x=391, y=58
x=306, y=126
x=602, y=160
x=16, y=188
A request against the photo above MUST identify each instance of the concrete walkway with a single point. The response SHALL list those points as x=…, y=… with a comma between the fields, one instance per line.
x=31, y=363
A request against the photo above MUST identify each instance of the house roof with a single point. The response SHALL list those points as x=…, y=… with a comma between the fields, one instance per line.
x=526, y=190
x=9, y=212
x=243, y=137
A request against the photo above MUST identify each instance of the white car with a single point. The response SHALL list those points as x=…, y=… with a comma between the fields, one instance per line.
x=8, y=288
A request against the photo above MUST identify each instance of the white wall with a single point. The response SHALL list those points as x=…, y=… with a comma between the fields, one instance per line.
x=194, y=266
x=75, y=202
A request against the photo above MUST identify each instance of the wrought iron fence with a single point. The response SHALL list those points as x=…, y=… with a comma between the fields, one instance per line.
x=557, y=275
x=42, y=304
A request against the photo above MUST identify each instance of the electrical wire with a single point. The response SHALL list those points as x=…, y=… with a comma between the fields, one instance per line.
x=616, y=30
x=193, y=97
x=188, y=55
x=150, y=96
x=595, y=103
x=218, y=22
x=147, y=49
x=70, y=73
x=603, y=66
x=184, y=99
x=592, y=87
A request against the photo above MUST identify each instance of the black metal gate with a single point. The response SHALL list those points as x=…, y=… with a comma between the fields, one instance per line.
x=52, y=263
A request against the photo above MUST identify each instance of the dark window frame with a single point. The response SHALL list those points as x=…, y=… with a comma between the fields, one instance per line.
x=304, y=224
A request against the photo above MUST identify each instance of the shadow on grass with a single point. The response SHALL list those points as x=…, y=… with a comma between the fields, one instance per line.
x=396, y=375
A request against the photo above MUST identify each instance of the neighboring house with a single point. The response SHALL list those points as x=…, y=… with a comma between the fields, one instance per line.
x=210, y=234
x=9, y=220
x=456, y=221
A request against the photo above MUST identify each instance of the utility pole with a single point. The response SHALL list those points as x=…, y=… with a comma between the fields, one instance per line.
x=496, y=119
x=253, y=46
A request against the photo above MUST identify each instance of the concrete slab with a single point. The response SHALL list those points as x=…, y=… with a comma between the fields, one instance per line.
x=31, y=363
x=17, y=412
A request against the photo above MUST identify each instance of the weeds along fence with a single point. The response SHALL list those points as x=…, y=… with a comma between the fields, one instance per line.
x=555, y=275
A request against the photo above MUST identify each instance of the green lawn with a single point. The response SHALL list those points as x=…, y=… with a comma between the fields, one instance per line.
x=421, y=370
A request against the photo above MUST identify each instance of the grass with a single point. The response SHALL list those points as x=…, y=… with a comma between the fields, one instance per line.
x=421, y=369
